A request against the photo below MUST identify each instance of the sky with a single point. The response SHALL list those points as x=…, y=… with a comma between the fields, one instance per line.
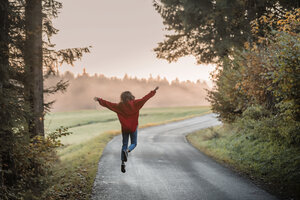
x=123, y=35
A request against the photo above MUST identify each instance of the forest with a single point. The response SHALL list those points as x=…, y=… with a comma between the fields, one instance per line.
x=84, y=87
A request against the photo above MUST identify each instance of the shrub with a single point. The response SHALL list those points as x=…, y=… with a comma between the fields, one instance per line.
x=33, y=162
x=261, y=83
x=260, y=123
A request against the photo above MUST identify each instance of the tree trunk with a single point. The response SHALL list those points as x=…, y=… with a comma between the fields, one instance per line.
x=6, y=135
x=3, y=44
x=33, y=57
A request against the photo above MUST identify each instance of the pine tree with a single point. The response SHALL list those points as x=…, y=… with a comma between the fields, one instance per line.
x=34, y=66
x=210, y=30
x=6, y=135
x=25, y=60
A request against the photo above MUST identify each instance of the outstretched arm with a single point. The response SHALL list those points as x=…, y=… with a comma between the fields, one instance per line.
x=140, y=102
x=107, y=104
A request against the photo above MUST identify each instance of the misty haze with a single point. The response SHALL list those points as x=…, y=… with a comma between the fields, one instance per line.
x=83, y=88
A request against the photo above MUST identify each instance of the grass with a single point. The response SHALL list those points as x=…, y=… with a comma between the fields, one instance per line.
x=75, y=173
x=87, y=124
x=274, y=165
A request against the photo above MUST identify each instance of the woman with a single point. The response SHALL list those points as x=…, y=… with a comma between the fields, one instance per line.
x=128, y=114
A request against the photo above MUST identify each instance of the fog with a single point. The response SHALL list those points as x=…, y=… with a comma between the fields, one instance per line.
x=83, y=88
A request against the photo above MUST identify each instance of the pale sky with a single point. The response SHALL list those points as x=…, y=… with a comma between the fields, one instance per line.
x=123, y=35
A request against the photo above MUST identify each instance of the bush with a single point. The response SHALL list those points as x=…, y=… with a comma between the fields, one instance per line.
x=32, y=165
x=260, y=123
x=261, y=84
x=255, y=112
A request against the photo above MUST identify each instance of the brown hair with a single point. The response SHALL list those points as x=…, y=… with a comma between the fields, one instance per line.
x=126, y=96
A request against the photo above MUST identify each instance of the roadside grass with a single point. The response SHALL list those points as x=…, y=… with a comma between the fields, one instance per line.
x=75, y=172
x=274, y=165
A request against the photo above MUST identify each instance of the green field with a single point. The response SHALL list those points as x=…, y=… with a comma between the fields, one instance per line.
x=91, y=130
x=87, y=124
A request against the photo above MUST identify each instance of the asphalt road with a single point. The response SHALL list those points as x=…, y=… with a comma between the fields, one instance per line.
x=165, y=166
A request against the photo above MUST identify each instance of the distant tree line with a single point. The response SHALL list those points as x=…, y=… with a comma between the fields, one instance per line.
x=27, y=57
x=84, y=87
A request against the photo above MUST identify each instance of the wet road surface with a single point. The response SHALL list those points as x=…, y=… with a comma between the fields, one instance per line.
x=165, y=166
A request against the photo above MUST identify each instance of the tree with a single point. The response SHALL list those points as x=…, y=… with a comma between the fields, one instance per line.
x=25, y=60
x=264, y=79
x=6, y=137
x=43, y=59
x=34, y=66
x=4, y=25
x=210, y=30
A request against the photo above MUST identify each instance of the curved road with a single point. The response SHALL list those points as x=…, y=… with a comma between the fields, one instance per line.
x=165, y=166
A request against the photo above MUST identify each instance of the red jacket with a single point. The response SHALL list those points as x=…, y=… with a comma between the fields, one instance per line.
x=128, y=113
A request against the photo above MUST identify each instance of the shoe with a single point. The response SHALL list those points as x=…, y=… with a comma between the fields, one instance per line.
x=125, y=155
x=123, y=168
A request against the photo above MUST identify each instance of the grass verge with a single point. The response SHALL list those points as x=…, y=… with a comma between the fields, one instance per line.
x=274, y=166
x=75, y=172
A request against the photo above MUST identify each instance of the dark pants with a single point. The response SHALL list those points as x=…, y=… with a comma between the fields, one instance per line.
x=133, y=140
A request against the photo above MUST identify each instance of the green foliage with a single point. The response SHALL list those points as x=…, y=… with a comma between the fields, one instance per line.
x=264, y=78
x=228, y=99
x=25, y=162
x=276, y=164
x=257, y=121
x=255, y=113
x=210, y=30
x=53, y=137
x=33, y=164
x=283, y=70
x=262, y=82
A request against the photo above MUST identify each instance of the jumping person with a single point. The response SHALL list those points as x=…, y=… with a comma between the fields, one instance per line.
x=128, y=114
